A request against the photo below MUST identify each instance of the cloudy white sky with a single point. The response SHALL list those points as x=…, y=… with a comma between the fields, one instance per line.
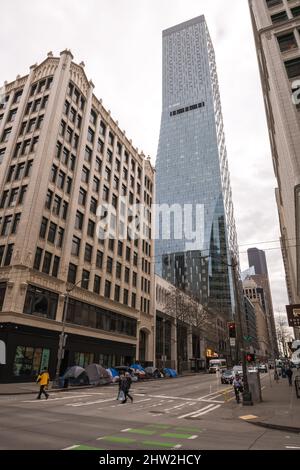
x=120, y=43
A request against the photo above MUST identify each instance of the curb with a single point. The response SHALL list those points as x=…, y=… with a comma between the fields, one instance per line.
x=277, y=427
x=89, y=387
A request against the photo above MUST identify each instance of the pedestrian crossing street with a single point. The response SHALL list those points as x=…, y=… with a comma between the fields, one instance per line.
x=145, y=402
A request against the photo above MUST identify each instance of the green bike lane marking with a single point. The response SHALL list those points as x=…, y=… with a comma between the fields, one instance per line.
x=177, y=436
x=119, y=440
x=82, y=447
x=169, y=445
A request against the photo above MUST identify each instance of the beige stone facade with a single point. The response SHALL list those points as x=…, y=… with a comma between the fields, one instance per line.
x=62, y=156
x=276, y=25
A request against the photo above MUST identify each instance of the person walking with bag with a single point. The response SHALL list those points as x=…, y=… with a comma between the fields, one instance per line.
x=289, y=374
x=43, y=380
x=126, y=384
x=238, y=387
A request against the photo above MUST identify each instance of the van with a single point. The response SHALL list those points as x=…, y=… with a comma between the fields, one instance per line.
x=216, y=365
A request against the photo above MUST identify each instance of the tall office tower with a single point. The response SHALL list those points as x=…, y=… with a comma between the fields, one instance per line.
x=63, y=157
x=257, y=260
x=276, y=25
x=192, y=172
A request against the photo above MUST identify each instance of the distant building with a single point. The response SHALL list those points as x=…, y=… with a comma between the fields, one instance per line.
x=257, y=260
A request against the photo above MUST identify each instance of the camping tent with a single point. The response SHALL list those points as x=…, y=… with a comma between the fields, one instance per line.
x=98, y=375
x=76, y=375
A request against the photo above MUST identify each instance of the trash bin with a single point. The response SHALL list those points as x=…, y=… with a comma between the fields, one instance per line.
x=61, y=382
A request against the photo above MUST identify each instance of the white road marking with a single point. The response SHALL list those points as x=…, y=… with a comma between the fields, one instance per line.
x=292, y=447
x=178, y=406
x=71, y=447
x=192, y=437
x=178, y=446
x=205, y=412
x=126, y=430
x=54, y=399
x=140, y=401
x=91, y=402
x=196, y=411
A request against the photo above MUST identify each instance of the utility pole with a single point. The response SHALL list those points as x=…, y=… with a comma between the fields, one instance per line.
x=247, y=398
x=63, y=336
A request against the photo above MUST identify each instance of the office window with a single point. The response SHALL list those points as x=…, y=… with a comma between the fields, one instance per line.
x=8, y=255
x=17, y=150
x=60, y=237
x=279, y=17
x=65, y=156
x=118, y=165
x=93, y=205
x=273, y=3
x=96, y=184
x=88, y=154
x=16, y=223
x=114, y=201
x=109, y=265
x=88, y=253
x=6, y=134
x=2, y=153
x=100, y=146
x=85, y=279
x=125, y=297
x=79, y=220
x=118, y=271
x=110, y=139
x=12, y=115
x=65, y=210
x=52, y=232
x=120, y=248
x=125, y=173
x=91, y=135
x=69, y=185
x=287, y=42
x=6, y=225
x=72, y=272
x=128, y=252
x=99, y=259
x=117, y=293
x=47, y=262
x=97, y=284
x=72, y=162
x=134, y=279
x=37, y=259
x=133, y=300
x=98, y=165
x=293, y=67
x=55, y=266
x=39, y=122
x=85, y=175
x=102, y=128
x=135, y=258
x=127, y=275
x=82, y=197
x=56, y=205
x=295, y=11
x=75, y=246
x=13, y=197
x=107, y=289
x=22, y=193
x=17, y=97
x=91, y=228
x=105, y=193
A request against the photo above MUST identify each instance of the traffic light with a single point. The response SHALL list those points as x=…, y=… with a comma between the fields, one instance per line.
x=231, y=330
x=250, y=357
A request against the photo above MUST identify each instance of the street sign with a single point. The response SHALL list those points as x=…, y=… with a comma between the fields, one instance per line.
x=232, y=342
x=248, y=338
x=293, y=313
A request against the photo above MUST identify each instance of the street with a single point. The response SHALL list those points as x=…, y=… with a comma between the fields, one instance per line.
x=186, y=413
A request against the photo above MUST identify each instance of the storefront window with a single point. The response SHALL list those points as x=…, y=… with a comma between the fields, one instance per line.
x=30, y=361
x=40, y=302
x=83, y=359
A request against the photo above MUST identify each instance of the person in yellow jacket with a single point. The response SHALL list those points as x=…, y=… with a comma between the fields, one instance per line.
x=43, y=380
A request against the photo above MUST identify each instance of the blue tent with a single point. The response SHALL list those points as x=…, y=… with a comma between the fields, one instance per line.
x=170, y=372
x=137, y=367
x=114, y=372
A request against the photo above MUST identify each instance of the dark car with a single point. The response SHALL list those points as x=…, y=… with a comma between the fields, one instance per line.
x=227, y=377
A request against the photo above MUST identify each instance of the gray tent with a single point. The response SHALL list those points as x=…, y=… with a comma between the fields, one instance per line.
x=76, y=375
x=98, y=375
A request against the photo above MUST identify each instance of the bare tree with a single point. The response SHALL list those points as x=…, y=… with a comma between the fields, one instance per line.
x=283, y=333
x=186, y=309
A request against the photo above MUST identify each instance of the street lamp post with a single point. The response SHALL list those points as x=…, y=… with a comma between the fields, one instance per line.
x=63, y=336
x=247, y=397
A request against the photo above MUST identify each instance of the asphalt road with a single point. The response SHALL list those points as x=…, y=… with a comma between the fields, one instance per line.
x=184, y=413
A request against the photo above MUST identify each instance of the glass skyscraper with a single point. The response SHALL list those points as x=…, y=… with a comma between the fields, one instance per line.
x=192, y=171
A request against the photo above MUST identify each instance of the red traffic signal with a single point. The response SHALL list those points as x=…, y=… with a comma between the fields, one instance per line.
x=250, y=357
x=231, y=330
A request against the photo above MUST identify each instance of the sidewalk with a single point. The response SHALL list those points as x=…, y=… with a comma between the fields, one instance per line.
x=280, y=408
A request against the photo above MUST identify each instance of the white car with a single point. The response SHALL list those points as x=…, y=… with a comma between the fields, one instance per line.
x=263, y=368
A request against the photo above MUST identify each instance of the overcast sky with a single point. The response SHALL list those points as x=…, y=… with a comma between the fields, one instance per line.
x=120, y=43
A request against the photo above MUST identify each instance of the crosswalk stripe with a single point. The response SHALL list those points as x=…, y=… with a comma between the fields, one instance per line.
x=195, y=411
x=206, y=411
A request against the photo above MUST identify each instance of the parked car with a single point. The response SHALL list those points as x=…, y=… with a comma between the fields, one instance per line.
x=263, y=368
x=227, y=377
x=252, y=369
